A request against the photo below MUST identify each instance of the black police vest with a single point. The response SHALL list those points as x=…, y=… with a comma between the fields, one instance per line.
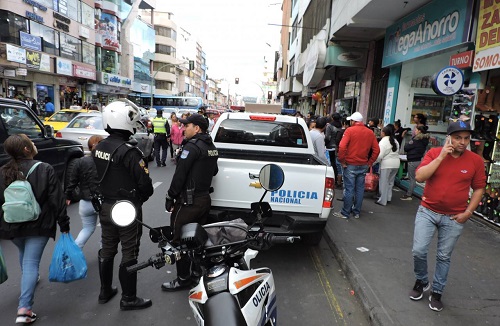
x=117, y=176
x=204, y=168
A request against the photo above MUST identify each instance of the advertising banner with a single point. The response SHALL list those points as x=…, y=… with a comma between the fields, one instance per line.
x=436, y=26
x=488, y=36
x=107, y=32
x=16, y=54
x=45, y=62
x=33, y=59
x=30, y=42
x=64, y=67
x=84, y=72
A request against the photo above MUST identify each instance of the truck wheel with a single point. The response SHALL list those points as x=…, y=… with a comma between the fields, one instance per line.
x=69, y=170
x=312, y=239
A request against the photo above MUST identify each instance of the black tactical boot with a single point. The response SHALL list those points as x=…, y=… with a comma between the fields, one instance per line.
x=128, y=282
x=108, y=291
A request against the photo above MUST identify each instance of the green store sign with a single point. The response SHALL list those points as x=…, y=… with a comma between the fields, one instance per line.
x=436, y=26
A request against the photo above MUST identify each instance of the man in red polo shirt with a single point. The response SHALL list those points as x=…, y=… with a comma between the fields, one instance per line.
x=358, y=149
x=449, y=173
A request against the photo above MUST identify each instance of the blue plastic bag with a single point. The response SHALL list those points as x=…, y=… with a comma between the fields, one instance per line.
x=68, y=262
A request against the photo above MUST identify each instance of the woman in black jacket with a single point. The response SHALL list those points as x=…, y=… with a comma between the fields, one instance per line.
x=84, y=178
x=415, y=150
x=31, y=237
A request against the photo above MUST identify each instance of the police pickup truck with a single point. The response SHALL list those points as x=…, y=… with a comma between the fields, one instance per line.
x=248, y=141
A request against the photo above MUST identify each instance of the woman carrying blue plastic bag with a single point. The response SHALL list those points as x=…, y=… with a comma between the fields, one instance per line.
x=31, y=237
x=68, y=262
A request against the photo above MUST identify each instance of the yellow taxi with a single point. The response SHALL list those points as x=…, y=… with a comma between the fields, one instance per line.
x=61, y=118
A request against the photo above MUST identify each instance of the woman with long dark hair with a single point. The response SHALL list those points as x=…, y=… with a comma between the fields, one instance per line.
x=415, y=150
x=31, y=237
x=389, y=164
x=420, y=120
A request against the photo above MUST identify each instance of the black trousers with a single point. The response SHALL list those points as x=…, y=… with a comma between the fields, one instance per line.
x=182, y=215
x=160, y=143
x=129, y=237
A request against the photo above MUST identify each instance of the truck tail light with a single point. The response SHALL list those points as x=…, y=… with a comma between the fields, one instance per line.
x=58, y=135
x=329, y=193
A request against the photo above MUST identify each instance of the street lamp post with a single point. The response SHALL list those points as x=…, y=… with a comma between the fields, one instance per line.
x=156, y=72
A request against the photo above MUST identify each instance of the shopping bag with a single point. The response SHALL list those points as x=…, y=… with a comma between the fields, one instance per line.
x=68, y=262
x=371, y=180
x=3, y=268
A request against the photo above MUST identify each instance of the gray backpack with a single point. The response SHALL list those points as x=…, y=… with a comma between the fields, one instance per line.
x=20, y=202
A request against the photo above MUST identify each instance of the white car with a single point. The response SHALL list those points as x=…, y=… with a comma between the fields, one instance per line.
x=85, y=125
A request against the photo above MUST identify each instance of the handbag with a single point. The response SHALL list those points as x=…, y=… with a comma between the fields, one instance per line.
x=68, y=263
x=3, y=268
x=371, y=180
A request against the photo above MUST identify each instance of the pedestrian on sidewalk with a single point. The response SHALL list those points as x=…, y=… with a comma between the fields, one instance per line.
x=449, y=172
x=415, y=150
x=331, y=131
x=389, y=164
x=318, y=139
x=83, y=177
x=358, y=149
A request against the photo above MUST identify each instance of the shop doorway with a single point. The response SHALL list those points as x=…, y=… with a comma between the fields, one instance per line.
x=42, y=92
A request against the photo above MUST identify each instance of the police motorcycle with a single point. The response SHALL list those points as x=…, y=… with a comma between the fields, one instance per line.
x=228, y=291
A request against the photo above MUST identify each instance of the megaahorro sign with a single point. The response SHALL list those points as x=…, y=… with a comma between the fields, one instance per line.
x=488, y=36
x=434, y=27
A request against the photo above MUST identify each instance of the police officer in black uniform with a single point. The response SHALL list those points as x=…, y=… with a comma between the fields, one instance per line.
x=188, y=197
x=123, y=170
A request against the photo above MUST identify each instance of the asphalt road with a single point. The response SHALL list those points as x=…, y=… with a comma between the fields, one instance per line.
x=311, y=288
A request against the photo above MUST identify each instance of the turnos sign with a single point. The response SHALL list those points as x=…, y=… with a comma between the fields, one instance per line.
x=434, y=27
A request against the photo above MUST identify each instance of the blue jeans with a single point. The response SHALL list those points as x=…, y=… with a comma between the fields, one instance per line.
x=30, y=253
x=426, y=224
x=340, y=168
x=89, y=222
x=354, y=189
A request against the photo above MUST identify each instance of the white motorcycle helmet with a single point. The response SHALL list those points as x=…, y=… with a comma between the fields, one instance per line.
x=121, y=114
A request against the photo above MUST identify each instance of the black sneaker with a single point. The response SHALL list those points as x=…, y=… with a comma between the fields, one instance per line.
x=435, y=302
x=418, y=290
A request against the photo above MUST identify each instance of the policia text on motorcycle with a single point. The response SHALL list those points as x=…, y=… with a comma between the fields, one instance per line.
x=123, y=175
x=188, y=197
x=161, y=129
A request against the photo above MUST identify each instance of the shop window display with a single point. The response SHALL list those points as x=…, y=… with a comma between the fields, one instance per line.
x=485, y=142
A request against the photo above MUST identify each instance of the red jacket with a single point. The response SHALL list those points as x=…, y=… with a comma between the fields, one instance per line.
x=356, y=144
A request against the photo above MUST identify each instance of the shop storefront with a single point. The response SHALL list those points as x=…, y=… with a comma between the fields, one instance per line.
x=416, y=49
x=109, y=88
x=487, y=63
x=347, y=64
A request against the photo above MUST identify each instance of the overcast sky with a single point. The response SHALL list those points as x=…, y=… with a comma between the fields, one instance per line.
x=233, y=35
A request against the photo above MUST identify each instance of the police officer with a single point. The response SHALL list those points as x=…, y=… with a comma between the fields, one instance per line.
x=124, y=176
x=161, y=129
x=188, y=197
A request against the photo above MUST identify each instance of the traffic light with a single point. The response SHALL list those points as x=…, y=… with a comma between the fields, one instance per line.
x=269, y=95
x=236, y=80
x=191, y=64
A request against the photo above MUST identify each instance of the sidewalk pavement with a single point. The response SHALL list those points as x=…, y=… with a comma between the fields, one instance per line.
x=375, y=254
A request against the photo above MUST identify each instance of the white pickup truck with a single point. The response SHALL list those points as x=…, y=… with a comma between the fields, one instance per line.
x=248, y=141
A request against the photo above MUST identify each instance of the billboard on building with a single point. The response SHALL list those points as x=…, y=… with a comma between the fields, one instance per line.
x=487, y=38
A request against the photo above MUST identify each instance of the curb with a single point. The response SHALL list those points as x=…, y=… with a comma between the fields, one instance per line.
x=377, y=316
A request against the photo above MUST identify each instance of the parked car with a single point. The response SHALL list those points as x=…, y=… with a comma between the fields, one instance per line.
x=82, y=127
x=61, y=118
x=17, y=118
